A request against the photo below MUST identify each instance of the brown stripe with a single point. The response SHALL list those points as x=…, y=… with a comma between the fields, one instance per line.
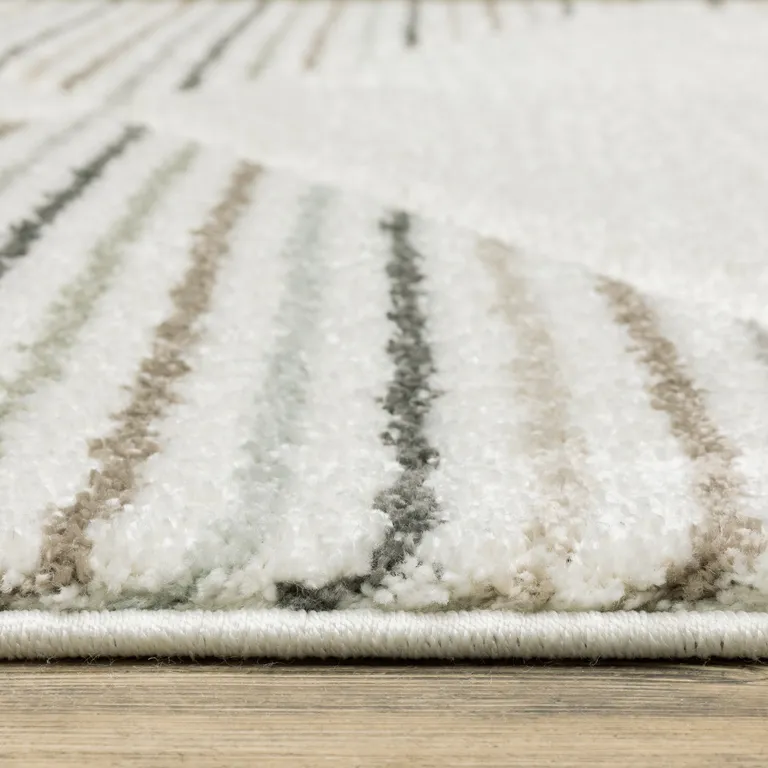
x=558, y=448
x=9, y=127
x=64, y=557
x=98, y=63
x=718, y=485
x=492, y=8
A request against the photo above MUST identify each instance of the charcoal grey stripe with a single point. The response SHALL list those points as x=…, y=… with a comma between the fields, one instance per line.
x=48, y=33
x=25, y=232
x=409, y=503
x=133, y=81
x=9, y=174
x=412, y=25
x=195, y=75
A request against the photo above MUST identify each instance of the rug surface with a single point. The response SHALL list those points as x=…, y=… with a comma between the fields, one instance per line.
x=383, y=328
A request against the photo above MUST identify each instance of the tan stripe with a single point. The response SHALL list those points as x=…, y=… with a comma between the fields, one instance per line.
x=492, y=8
x=558, y=447
x=67, y=315
x=317, y=46
x=717, y=485
x=98, y=63
x=64, y=556
x=81, y=43
x=9, y=127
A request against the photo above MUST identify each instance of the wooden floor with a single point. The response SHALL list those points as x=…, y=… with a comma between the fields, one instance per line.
x=344, y=715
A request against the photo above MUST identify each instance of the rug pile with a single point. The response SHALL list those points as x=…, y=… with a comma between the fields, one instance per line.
x=383, y=328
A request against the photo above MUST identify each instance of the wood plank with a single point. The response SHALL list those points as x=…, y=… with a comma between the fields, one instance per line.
x=305, y=714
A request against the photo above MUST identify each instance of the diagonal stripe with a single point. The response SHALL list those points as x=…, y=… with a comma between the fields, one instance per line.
x=71, y=311
x=7, y=128
x=195, y=75
x=80, y=43
x=412, y=32
x=49, y=33
x=558, y=449
x=133, y=81
x=97, y=64
x=64, y=558
x=24, y=233
x=320, y=39
x=717, y=483
x=272, y=43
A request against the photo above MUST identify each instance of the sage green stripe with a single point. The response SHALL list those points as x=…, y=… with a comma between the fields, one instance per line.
x=282, y=397
x=67, y=315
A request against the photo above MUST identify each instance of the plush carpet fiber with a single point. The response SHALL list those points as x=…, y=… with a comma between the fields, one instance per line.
x=383, y=328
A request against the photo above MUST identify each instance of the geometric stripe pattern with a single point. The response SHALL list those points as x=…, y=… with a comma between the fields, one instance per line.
x=228, y=386
x=239, y=389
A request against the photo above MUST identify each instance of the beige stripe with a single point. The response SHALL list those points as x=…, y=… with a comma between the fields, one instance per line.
x=98, y=63
x=81, y=43
x=317, y=46
x=74, y=306
x=717, y=483
x=492, y=8
x=64, y=557
x=558, y=447
x=9, y=127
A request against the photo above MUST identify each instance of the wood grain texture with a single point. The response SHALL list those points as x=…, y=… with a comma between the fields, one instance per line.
x=210, y=715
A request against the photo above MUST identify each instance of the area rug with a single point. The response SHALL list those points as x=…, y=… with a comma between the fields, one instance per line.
x=409, y=329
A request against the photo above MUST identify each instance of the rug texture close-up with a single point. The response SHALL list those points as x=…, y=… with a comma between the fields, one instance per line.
x=401, y=328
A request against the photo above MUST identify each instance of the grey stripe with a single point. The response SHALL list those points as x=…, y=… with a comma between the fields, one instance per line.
x=412, y=25
x=52, y=142
x=409, y=503
x=74, y=305
x=270, y=45
x=195, y=75
x=43, y=36
x=132, y=82
x=25, y=232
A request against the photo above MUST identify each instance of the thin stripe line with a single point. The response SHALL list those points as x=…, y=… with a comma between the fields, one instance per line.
x=65, y=551
x=409, y=503
x=717, y=483
x=129, y=85
x=25, y=232
x=78, y=44
x=412, y=24
x=99, y=62
x=320, y=39
x=272, y=43
x=492, y=9
x=9, y=127
x=72, y=309
x=9, y=174
x=48, y=34
x=559, y=447
x=195, y=75
x=283, y=396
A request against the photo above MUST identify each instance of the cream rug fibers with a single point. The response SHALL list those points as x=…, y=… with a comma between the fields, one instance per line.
x=419, y=329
